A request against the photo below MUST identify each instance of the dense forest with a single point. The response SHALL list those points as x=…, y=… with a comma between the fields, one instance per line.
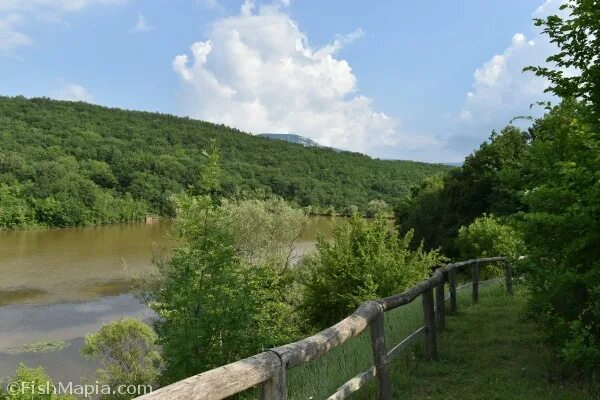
x=69, y=164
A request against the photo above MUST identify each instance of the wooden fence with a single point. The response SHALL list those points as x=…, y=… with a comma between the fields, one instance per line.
x=269, y=369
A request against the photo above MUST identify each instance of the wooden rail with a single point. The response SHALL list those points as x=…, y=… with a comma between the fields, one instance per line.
x=269, y=369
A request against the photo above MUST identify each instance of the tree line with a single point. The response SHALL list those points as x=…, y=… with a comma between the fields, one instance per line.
x=72, y=164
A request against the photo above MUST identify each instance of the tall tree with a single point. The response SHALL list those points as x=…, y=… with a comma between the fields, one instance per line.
x=577, y=64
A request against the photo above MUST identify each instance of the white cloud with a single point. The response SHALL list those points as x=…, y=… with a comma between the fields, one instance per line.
x=15, y=14
x=9, y=37
x=501, y=90
x=72, y=92
x=258, y=72
x=142, y=25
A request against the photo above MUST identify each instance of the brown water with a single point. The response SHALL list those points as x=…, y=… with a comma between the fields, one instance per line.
x=61, y=284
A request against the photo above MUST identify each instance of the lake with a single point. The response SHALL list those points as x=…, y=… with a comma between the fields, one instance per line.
x=61, y=284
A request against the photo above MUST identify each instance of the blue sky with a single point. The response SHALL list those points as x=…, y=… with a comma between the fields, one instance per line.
x=393, y=79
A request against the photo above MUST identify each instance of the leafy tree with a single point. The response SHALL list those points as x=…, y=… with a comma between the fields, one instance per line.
x=488, y=182
x=578, y=39
x=218, y=299
x=488, y=237
x=211, y=173
x=561, y=228
x=127, y=353
x=264, y=232
x=15, y=211
x=376, y=207
x=365, y=260
x=31, y=384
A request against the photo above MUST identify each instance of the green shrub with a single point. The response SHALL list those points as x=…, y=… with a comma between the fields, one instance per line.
x=365, y=260
x=488, y=237
x=31, y=384
x=225, y=294
x=127, y=352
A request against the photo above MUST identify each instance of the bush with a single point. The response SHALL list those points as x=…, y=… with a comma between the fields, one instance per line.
x=31, y=384
x=366, y=260
x=488, y=237
x=224, y=294
x=15, y=211
x=561, y=232
x=127, y=353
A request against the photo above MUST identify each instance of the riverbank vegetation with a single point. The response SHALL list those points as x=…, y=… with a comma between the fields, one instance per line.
x=73, y=164
x=229, y=289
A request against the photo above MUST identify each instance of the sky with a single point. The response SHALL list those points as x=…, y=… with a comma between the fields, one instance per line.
x=419, y=80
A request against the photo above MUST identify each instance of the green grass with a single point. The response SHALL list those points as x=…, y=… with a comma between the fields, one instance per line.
x=488, y=351
x=324, y=376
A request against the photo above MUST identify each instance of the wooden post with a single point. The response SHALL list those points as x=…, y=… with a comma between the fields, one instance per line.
x=429, y=319
x=380, y=357
x=440, y=306
x=276, y=387
x=475, y=272
x=452, y=284
x=508, y=277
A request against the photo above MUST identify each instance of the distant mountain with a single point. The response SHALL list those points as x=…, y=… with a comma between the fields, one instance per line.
x=290, y=137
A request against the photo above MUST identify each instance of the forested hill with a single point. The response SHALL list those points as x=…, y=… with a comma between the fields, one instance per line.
x=66, y=164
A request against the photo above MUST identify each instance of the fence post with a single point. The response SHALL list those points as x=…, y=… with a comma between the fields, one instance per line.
x=428, y=316
x=276, y=387
x=440, y=305
x=508, y=277
x=452, y=284
x=380, y=356
x=475, y=272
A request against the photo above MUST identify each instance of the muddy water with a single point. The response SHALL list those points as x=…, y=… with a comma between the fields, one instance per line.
x=61, y=284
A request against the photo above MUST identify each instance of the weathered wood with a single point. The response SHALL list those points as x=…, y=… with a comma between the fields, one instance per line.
x=311, y=348
x=473, y=261
x=475, y=274
x=508, y=277
x=389, y=303
x=222, y=382
x=361, y=379
x=452, y=285
x=429, y=319
x=440, y=307
x=353, y=385
x=380, y=357
x=276, y=387
x=268, y=368
x=395, y=352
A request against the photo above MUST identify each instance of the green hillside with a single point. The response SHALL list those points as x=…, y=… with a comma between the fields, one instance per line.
x=70, y=164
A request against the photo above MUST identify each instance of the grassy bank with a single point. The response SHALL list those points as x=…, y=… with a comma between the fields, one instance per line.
x=489, y=351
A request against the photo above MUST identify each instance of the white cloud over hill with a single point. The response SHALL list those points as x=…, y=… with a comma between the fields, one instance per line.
x=72, y=92
x=258, y=72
